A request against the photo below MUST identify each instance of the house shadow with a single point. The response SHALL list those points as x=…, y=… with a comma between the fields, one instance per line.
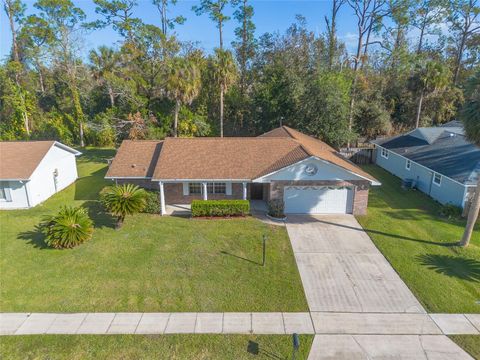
x=459, y=267
x=89, y=187
x=100, y=217
x=34, y=237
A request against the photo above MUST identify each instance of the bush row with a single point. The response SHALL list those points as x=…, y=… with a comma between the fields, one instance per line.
x=220, y=207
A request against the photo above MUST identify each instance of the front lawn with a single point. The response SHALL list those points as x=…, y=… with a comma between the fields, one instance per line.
x=220, y=347
x=469, y=343
x=406, y=227
x=151, y=264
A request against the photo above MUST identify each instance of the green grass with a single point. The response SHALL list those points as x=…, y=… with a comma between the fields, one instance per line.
x=151, y=264
x=469, y=343
x=406, y=227
x=211, y=347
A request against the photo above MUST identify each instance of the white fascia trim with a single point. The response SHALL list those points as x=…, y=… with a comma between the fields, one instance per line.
x=67, y=148
x=202, y=180
x=127, y=177
x=414, y=162
x=261, y=179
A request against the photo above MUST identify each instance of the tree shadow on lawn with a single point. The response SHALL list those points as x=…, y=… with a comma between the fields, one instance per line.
x=100, y=217
x=395, y=236
x=89, y=187
x=454, y=266
x=35, y=237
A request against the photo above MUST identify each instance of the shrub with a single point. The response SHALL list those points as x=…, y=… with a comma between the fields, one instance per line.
x=69, y=228
x=450, y=211
x=123, y=200
x=276, y=208
x=152, y=205
x=220, y=207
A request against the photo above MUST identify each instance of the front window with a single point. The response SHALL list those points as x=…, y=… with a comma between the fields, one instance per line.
x=216, y=188
x=3, y=195
x=437, y=179
x=194, y=188
x=408, y=165
x=5, y=192
x=385, y=153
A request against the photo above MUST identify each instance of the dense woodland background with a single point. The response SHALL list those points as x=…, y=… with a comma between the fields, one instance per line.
x=151, y=85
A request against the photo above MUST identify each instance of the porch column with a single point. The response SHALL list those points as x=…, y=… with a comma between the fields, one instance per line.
x=244, y=194
x=204, y=191
x=162, y=199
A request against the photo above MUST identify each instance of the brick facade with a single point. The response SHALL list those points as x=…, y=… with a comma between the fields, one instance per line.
x=274, y=190
x=360, y=195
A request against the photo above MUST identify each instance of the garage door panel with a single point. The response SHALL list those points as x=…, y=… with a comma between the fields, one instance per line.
x=317, y=200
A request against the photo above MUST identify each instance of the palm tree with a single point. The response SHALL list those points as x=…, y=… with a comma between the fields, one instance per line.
x=123, y=200
x=183, y=84
x=104, y=62
x=470, y=115
x=69, y=228
x=430, y=77
x=225, y=72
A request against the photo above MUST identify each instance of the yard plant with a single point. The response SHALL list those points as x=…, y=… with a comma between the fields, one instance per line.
x=70, y=227
x=220, y=207
x=123, y=200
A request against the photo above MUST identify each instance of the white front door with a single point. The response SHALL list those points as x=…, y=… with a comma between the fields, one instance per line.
x=318, y=200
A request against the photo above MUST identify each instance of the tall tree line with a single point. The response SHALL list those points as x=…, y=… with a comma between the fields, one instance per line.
x=409, y=67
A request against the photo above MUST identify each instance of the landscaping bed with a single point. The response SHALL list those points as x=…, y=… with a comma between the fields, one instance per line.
x=150, y=264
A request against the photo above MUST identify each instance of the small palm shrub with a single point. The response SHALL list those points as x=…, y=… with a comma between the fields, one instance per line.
x=123, y=200
x=70, y=227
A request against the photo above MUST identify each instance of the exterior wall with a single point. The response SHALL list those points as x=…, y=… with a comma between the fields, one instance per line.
x=17, y=194
x=448, y=192
x=42, y=184
x=174, y=194
x=360, y=200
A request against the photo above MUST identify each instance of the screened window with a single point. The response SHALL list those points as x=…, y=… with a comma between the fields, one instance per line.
x=216, y=188
x=437, y=179
x=385, y=153
x=408, y=165
x=194, y=188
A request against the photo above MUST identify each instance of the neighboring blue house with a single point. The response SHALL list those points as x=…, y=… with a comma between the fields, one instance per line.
x=439, y=160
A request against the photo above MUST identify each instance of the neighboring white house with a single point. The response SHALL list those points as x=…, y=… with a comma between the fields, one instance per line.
x=32, y=171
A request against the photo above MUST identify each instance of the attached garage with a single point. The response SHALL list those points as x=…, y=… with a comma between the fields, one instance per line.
x=318, y=200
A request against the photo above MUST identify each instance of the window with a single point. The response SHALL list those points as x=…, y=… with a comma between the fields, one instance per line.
x=437, y=179
x=216, y=188
x=194, y=188
x=5, y=192
x=385, y=153
x=408, y=165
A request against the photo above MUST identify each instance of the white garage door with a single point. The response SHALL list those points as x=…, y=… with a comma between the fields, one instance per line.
x=318, y=200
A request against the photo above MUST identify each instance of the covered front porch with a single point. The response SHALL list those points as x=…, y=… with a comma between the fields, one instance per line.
x=257, y=207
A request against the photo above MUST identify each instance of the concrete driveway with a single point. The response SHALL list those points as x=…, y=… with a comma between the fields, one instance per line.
x=342, y=270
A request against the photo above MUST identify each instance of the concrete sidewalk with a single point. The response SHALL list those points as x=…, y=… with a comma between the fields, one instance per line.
x=240, y=323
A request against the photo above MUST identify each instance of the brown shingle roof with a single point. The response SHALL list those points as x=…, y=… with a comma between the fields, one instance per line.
x=239, y=158
x=19, y=159
x=318, y=148
x=242, y=158
x=135, y=159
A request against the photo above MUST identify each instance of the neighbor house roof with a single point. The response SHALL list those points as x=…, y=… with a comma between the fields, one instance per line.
x=235, y=158
x=135, y=159
x=444, y=150
x=19, y=159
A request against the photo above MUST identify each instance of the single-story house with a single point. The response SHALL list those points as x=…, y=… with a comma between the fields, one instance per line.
x=32, y=171
x=440, y=161
x=310, y=176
